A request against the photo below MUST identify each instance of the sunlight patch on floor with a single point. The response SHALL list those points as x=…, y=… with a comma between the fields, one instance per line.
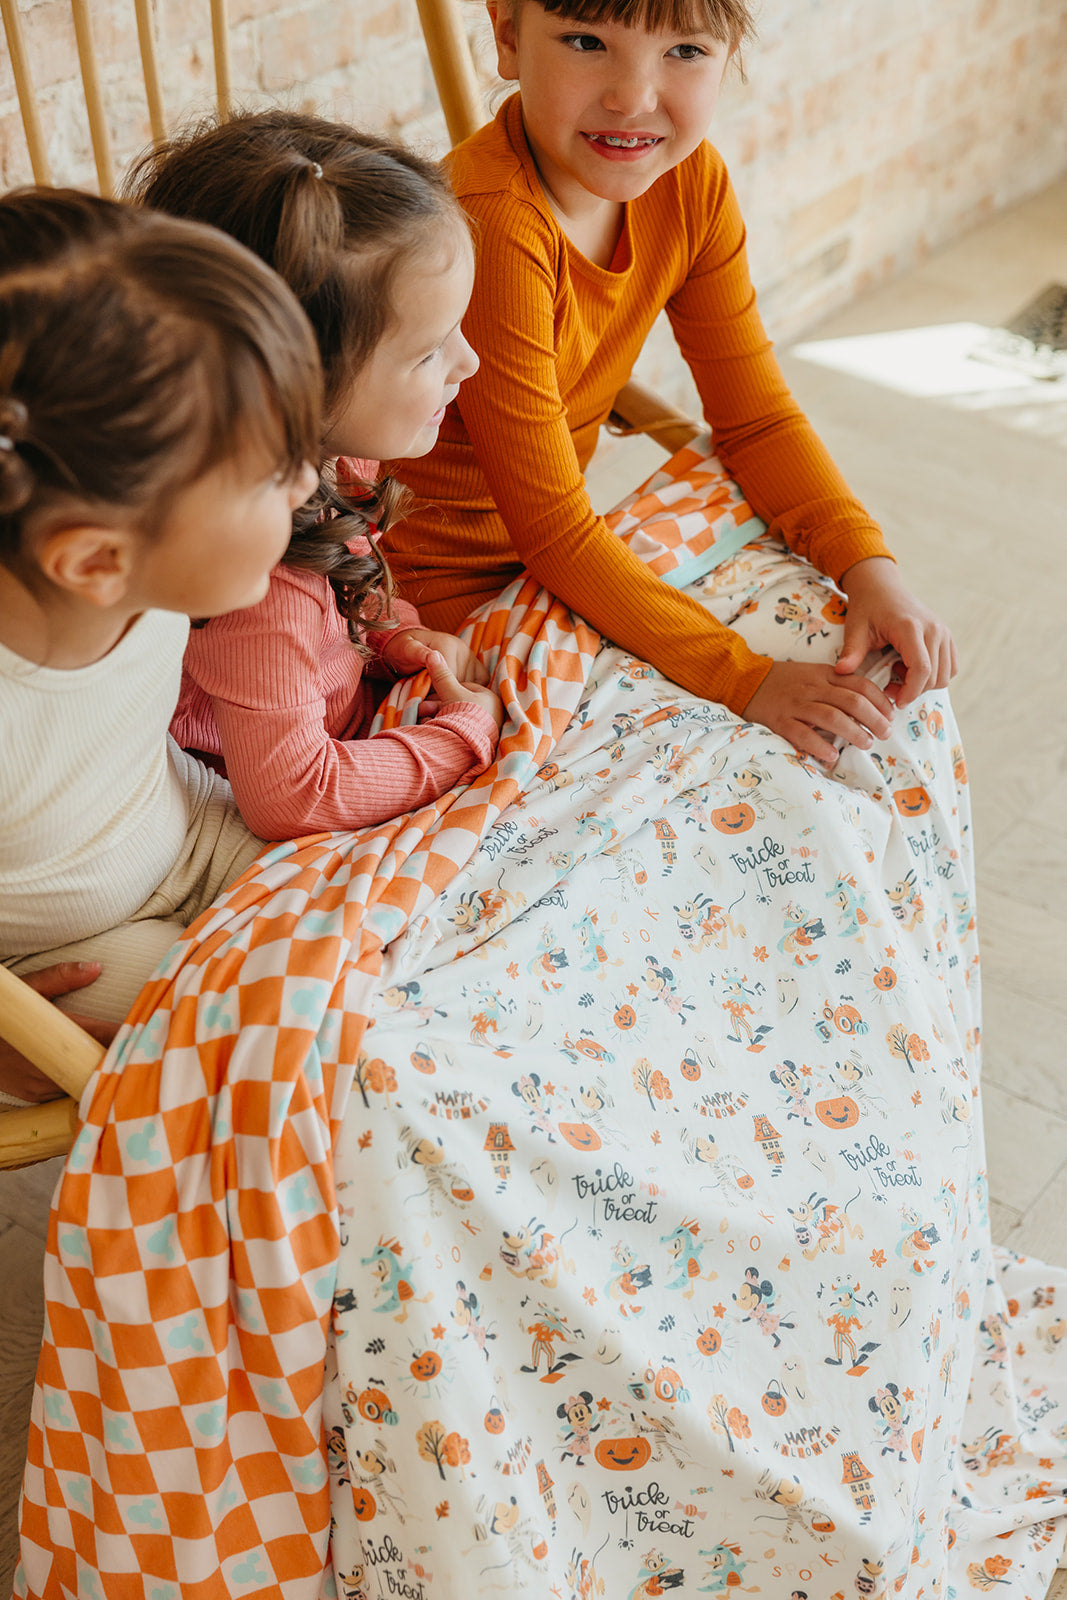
x=942, y=363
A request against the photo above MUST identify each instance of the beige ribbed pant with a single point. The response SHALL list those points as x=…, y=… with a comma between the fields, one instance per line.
x=218, y=847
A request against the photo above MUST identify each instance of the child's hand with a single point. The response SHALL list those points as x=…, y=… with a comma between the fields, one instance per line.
x=407, y=651
x=882, y=611
x=19, y=1076
x=448, y=689
x=805, y=703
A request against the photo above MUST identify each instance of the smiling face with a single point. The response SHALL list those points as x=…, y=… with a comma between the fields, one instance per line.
x=607, y=109
x=397, y=400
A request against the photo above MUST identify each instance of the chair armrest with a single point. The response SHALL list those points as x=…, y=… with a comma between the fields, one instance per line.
x=639, y=410
x=47, y=1037
x=35, y=1133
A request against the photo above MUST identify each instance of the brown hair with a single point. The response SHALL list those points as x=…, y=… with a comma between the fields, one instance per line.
x=136, y=353
x=731, y=21
x=336, y=212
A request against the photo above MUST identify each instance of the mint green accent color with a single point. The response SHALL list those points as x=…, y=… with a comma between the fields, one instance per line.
x=715, y=554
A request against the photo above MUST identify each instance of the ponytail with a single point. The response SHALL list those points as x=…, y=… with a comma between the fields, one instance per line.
x=336, y=212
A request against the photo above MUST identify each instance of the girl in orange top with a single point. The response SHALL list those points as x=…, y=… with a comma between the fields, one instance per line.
x=597, y=204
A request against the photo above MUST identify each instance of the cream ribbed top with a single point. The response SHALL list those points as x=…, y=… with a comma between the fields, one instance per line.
x=93, y=793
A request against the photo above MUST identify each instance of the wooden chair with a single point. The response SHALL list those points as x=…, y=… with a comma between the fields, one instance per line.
x=59, y=1048
x=637, y=409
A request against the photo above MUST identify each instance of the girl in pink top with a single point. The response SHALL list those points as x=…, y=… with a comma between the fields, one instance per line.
x=281, y=696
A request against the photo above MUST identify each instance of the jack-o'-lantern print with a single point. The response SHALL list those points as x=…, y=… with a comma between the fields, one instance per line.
x=840, y=1112
x=494, y=1420
x=914, y=802
x=580, y=1136
x=733, y=819
x=623, y=1455
x=709, y=1341
x=690, y=1067
x=426, y=1365
x=773, y=1401
x=363, y=1504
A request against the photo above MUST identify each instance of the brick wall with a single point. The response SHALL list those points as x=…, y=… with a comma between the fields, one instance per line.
x=868, y=132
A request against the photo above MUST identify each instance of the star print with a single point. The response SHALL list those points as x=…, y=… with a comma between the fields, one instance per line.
x=437, y=1331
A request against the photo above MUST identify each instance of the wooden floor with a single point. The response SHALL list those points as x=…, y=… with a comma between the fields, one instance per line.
x=972, y=492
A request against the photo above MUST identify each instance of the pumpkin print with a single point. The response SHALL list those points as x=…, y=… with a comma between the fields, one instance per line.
x=773, y=1401
x=835, y=609
x=375, y=1406
x=917, y=1443
x=885, y=979
x=667, y=1386
x=733, y=819
x=912, y=802
x=848, y=1020
x=426, y=1366
x=623, y=1455
x=841, y=1112
x=690, y=1068
x=363, y=1503
x=625, y=1017
x=494, y=1420
x=580, y=1136
x=709, y=1342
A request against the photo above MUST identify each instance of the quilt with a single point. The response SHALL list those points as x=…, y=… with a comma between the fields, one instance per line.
x=575, y=1188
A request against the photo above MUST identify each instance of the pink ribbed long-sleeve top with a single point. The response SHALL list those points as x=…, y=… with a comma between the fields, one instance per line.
x=278, y=697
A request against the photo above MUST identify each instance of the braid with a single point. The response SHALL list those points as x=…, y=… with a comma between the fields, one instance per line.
x=322, y=530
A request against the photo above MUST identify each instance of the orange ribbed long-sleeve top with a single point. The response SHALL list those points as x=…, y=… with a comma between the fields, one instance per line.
x=558, y=336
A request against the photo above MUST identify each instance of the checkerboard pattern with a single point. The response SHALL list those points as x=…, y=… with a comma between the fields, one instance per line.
x=176, y=1444
x=687, y=517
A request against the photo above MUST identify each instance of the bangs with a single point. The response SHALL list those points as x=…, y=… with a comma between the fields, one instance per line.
x=728, y=20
